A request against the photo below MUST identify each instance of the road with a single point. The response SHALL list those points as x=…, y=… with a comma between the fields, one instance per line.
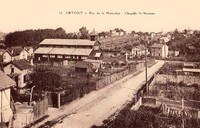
x=99, y=105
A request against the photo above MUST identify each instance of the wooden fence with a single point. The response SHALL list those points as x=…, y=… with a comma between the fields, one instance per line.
x=30, y=114
x=116, y=76
x=40, y=109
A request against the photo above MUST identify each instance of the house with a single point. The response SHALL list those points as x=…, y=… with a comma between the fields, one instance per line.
x=159, y=50
x=29, y=49
x=5, y=98
x=83, y=67
x=97, y=64
x=20, y=71
x=138, y=50
x=65, y=51
x=14, y=53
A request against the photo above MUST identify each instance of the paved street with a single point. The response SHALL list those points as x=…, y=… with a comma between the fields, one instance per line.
x=99, y=105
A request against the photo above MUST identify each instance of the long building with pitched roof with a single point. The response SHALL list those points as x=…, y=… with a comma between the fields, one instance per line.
x=67, y=50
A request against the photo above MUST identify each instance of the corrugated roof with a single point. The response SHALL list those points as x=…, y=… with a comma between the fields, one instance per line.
x=42, y=50
x=5, y=81
x=80, y=51
x=62, y=51
x=77, y=42
x=157, y=46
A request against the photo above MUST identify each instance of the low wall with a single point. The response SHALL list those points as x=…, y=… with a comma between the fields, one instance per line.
x=163, y=78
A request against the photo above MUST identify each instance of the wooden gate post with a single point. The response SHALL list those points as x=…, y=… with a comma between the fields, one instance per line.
x=58, y=100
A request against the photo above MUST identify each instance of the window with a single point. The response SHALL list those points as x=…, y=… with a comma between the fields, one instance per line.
x=52, y=56
x=59, y=56
x=26, y=78
x=4, y=57
x=45, y=56
x=12, y=70
x=83, y=57
x=68, y=57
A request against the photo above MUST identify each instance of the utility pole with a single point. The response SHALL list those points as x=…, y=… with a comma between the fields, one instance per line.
x=183, y=121
x=1, y=108
x=147, y=86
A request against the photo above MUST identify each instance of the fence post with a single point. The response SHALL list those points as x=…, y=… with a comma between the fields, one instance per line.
x=58, y=100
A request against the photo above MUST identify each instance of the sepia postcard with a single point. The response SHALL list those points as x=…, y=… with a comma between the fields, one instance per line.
x=99, y=64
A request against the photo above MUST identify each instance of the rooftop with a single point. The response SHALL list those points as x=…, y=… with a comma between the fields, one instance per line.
x=157, y=45
x=5, y=81
x=64, y=51
x=22, y=64
x=80, y=51
x=14, y=51
x=76, y=42
x=82, y=64
x=43, y=50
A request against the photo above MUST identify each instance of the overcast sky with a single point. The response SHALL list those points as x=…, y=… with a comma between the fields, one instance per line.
x=39, y=14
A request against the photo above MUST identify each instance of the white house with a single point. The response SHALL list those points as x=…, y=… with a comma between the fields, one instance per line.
x=5, y=97
x=159, y=50
x=138, y=50
x=14, y=53
x=29, y=49
x=20, y=71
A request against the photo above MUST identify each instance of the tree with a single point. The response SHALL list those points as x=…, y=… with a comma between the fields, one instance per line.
x=45, y=80
x=102, y=34
x=84, y=33
x=33, y=37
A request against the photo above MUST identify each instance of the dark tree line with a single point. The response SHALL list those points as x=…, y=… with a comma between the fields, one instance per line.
x=34, y=37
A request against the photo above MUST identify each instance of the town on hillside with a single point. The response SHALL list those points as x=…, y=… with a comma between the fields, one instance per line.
x=109, y=79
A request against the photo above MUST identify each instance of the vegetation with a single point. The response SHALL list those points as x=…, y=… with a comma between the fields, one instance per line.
x=34, y=37
x=147, y=117
x=45, y=80
x=176, y=91
x=170, y=68
x=70, y=84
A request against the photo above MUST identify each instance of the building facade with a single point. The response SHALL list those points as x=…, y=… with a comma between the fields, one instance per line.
x=19, y=71
x=159, y=50
x=65, y=51
x=14, y=53
x=138, y=50
x=5, y=98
